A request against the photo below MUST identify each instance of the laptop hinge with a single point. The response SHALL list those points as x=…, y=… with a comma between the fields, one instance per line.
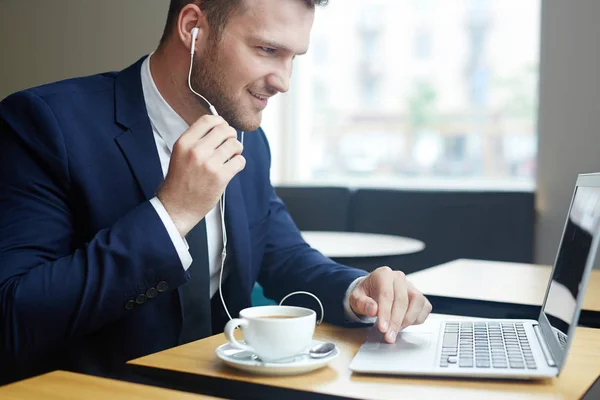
x=542, y=342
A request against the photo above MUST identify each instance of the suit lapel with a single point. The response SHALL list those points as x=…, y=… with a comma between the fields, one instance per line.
x=137, y=141
x=139, y=148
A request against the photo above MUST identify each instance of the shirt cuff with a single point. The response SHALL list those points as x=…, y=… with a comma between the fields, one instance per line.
x=181, y=245
x=350, y=314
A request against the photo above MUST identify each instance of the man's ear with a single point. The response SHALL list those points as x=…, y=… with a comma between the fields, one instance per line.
x=192, y=26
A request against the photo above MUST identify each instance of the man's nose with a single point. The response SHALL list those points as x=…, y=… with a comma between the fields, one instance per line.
x=280, y=79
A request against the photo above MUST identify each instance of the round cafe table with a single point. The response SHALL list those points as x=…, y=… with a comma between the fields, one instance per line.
x=349, y=245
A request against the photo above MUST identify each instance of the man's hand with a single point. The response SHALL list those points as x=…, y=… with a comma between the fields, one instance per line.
x=205, y=158
x=390, y=297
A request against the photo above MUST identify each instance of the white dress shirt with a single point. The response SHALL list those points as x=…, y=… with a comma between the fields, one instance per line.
x=167, y=126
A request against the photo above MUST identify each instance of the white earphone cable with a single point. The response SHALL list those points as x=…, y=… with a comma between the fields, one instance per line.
x=224, y=252
x=211, y=108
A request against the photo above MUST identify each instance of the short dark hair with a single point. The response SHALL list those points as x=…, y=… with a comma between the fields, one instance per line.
x=217, y=13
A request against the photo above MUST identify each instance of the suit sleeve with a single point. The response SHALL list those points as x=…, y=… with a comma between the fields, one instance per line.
x=51, y=292
x=290, y=265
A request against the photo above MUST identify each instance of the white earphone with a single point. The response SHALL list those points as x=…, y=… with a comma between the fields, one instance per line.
x=194, y=33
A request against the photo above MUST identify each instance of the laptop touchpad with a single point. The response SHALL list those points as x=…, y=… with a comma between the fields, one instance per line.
x=408, y=340
x=405, y=341
x=414, y=350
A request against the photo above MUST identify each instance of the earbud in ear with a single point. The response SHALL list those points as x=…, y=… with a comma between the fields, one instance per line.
x=194, y=33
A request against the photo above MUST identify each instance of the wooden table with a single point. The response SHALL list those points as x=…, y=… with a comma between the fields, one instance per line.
x=194, y=366
x=497, y=289
x=360, y=245
x=59, y=385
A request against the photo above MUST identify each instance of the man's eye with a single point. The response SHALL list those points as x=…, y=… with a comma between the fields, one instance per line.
x=267, y=50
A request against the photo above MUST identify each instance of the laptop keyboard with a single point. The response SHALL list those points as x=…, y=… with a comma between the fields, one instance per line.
x=562, y=338
x=501, y=345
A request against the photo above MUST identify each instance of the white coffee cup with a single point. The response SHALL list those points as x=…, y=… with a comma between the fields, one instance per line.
x=273, y=332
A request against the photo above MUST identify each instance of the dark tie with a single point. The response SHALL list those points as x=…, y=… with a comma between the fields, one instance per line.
x=195, y=293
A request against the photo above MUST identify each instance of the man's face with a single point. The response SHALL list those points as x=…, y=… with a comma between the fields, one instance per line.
x=252, y=61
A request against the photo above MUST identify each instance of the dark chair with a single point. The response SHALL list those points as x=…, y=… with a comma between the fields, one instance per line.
x=453, y=224
x=316, y=208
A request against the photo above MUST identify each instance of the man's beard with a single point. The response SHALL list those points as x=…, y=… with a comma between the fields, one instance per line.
x=209, y=80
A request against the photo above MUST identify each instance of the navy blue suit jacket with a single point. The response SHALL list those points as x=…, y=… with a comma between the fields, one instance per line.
x=79, y=238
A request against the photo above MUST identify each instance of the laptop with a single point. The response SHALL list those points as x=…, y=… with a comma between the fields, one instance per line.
x=504, y=348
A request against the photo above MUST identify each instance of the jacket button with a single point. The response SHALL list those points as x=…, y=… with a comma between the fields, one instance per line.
x=162, y=286
x=151, y=293
x=141, y=299
x=129, y=305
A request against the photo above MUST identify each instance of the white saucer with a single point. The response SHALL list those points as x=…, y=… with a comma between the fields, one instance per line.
x=298, y=365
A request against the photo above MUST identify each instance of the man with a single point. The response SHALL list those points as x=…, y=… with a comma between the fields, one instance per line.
x=110, y=220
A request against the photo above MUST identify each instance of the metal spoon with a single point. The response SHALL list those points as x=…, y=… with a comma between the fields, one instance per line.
x=320, y=350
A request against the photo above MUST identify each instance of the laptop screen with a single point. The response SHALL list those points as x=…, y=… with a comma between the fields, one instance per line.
x=582, y=225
